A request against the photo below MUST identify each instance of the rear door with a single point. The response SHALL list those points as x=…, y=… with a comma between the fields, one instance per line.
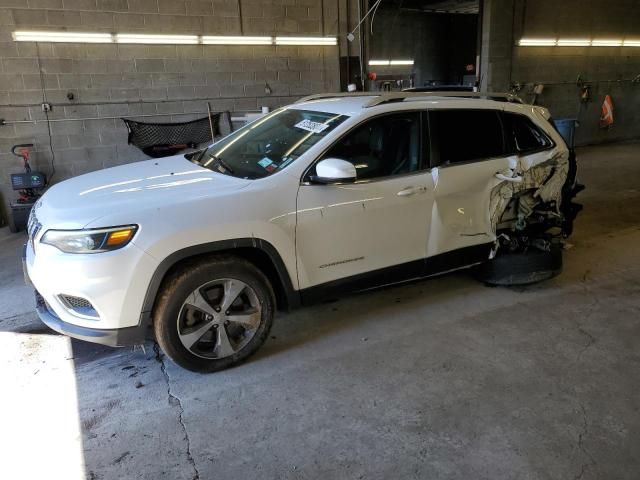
x=468, y=150
x=526, y=139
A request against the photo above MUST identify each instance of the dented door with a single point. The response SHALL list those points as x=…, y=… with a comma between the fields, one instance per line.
x=469, y=156
x=462, y=195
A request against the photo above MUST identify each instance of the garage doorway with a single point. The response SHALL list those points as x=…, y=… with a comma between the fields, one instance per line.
x=422, y=43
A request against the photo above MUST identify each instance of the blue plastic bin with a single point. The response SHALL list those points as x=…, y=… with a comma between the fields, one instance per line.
x=567, y=128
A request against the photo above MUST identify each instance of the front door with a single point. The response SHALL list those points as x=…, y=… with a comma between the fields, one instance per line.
x=382, y=220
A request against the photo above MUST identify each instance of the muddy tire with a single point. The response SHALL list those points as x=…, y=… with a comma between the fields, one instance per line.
x=511, y=269
x=213, y=314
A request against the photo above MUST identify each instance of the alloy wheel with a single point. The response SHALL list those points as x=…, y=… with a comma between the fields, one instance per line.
x=219, y=318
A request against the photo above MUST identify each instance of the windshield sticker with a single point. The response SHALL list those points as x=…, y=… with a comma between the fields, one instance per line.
x=286, y=161
x=268, y=164
x=313, y=127
x=265, y=162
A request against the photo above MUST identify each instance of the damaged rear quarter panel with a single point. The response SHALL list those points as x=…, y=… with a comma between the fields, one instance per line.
x=543, y=173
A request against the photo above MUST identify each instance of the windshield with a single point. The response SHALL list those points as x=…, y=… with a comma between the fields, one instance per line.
x=269, y=144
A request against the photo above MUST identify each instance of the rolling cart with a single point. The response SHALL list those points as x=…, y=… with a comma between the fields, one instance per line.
x=29, y=186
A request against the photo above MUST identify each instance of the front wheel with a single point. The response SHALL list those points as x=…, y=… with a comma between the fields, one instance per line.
x=214, y=314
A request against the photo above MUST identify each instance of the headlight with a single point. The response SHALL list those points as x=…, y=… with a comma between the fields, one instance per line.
x=90, y=241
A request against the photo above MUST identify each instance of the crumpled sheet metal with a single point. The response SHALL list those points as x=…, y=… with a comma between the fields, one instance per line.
x=546, y=177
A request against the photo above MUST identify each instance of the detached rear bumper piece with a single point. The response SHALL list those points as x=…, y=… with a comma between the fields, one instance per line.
x=120, y=337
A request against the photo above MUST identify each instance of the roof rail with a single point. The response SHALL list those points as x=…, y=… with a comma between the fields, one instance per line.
x=322, y=96
x=388, y=97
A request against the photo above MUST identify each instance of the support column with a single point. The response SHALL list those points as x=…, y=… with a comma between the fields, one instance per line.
x=497, y=45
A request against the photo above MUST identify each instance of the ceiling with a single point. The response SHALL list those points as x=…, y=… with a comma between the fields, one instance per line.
x=440, y=6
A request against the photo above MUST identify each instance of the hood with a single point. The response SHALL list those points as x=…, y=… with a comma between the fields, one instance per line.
x=81, y=200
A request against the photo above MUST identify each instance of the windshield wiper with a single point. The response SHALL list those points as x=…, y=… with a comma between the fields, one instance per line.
x=201, y=154
x=224, y=164
x=212, y=158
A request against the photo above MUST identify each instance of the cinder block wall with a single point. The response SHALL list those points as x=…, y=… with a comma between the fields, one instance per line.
x=109, y=80
x=607, y=69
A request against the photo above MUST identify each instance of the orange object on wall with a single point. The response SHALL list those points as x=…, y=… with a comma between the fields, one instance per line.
x=606, y=117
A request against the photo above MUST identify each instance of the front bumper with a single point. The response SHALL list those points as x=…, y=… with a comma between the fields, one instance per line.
x=119, y=337
x=90, y=276
x=113, y=283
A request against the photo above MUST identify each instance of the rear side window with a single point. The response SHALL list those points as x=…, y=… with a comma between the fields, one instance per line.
x=523, y=135
x=466, y=135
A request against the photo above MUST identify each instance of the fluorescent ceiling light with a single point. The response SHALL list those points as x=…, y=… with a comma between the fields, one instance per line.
x=81, y=37
x=229, y=40
x=76, y=37
x=606, y=43
x=163, y=39
x=306, y=41
x=577, y=42
x=537, y=42
x=574, y=42
x=390, y=62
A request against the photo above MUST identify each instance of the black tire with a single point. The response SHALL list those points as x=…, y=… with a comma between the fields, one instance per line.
x=512, y=269
x=191, y=276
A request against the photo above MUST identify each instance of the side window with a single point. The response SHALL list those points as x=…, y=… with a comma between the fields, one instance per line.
x=523, y=134
x=464, y=135
x=381, y=147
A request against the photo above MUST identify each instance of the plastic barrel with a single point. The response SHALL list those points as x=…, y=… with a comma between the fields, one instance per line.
x=567, y=128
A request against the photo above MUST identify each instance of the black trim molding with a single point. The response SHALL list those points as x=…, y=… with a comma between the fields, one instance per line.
x=438, y=264
x=292, y=296
x=118, y=337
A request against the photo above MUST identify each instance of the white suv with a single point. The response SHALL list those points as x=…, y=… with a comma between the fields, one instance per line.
x=333, y=194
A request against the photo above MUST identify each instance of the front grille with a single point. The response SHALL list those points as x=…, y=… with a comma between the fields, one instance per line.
x=41, y=303
x=76, y=302
x=39, y=299
x=33, y=227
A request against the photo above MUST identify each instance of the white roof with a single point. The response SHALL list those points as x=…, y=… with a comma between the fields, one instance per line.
x=355, y=105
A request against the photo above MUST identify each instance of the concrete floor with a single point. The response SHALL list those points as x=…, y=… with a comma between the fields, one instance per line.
x=445, y=378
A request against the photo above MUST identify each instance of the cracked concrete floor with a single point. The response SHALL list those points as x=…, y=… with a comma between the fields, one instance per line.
x=445, y=378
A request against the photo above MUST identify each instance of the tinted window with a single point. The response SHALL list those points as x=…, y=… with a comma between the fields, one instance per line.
x=384, y=146
x=522, y=134
x=464, y=135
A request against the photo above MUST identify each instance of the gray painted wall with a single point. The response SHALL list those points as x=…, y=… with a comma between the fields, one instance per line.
x=128, y=80
x=607, y=69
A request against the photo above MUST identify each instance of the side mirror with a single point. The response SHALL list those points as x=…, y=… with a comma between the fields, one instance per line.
x=334, y=170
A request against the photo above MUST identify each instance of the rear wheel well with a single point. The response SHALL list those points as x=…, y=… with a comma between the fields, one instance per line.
x=256, y=256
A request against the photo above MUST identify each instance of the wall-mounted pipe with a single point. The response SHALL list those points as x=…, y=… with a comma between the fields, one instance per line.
x=591, y=82
x=128, y=102
x=41, y=120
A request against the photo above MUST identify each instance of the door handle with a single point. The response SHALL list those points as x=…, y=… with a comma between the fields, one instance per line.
x=503, y=177
x=406, y=192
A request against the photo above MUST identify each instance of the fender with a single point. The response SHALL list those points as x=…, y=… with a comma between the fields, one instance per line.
x=292, y=297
